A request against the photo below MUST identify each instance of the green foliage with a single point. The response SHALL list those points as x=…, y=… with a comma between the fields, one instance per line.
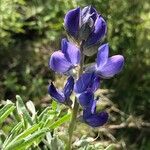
x=28, y=128
x=36, y=17
x=5, y=111
x=26, y=28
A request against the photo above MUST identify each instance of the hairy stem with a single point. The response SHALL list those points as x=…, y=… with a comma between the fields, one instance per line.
x=76, y=105
x=72, y=124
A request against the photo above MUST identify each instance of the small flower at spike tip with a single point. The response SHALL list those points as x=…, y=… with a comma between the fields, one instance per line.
x=66, y=59
x=85, y=25
x=91, y=117
x=64, y=95
x=105, y=66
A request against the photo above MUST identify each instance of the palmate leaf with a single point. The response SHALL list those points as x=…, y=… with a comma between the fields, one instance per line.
x=15, y=138
x=6, y=111
x=29, y=131
x=26, y=142
x=30, y=136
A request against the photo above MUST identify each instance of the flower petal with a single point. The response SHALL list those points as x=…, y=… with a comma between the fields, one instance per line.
x=113, y=66
x=87, y=82
x=90, y=110
x=83, y=82
x=96, y=120
x=93, y=107
x=71, y=21
x=68, y=87
x=102, y=56
x=54, y=93
x=59, y=63
x=98, y=32
x=95, y=83
x=89, y=10
x=85, y=99
x=71, y=52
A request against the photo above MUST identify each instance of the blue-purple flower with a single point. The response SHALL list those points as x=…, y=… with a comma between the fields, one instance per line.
x=85, y=24
x=66, y=59
x=64, y=95
x=95, y=119
x=85, y=86
x=90, y=116
x=87, y=82
x=105, y=66
x=85, y=99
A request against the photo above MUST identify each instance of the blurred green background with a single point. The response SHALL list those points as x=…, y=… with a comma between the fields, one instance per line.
x=30, y=30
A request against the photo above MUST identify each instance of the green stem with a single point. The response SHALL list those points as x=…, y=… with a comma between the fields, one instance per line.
x=76, y=106
x=72, y=123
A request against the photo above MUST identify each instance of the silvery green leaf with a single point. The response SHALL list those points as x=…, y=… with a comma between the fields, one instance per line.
x=26, y=140
x=45, y=111
x=48, y=137
x=59, y=122
x=84, y=141
x=22, y=111
x=56, y=144
x=31, y=108
x=5, y=111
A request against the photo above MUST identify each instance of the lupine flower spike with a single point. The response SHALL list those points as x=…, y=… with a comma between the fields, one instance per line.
x=86, y=29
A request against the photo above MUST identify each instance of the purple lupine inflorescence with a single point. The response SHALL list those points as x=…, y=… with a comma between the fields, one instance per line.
x=64, y=95
x=86, y=28
x=66, y=59
x=87, y=25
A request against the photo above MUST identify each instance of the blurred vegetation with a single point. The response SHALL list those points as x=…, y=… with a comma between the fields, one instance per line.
x=30, y=30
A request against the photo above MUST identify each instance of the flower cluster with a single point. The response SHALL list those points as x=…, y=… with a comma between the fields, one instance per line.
x=86, y=29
